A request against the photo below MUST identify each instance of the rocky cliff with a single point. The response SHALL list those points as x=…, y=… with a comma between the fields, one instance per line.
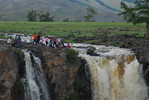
x=8, y=71
x=66, y=80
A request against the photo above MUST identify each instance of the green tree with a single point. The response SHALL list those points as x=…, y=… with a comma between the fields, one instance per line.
x=46, y=17
x=137, y=14
x=90, y=14
x=66, y=20
x=32, y=15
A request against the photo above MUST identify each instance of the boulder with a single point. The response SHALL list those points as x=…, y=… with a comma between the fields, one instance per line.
x=91, y=51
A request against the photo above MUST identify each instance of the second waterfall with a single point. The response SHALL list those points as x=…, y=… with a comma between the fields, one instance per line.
x=115, y=73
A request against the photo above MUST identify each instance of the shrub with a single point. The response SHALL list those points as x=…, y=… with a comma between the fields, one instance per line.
x=56, y=96
x=21, y=67
x=18, y=86
x=71, y=55
x=20, y=55
x=77, y=84
x=74, y=97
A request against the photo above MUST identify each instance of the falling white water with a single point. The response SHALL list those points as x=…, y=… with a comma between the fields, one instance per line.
x=115, y=73
x=35, y=82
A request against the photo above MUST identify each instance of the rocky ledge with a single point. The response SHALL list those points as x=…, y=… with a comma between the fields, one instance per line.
x=66, y=79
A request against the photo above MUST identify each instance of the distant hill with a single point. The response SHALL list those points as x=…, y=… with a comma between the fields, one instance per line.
x=75, y=10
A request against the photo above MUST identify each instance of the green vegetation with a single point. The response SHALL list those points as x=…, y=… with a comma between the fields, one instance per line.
x=71, y=55
x=2, y=36
x=65, y=28
x=77, y=84
x=90, y=14
x=19, y=87
x=74, y=97
x=46, y=17
x=32, y=15
x=21, y=67
x=20, y=54
x=137, y=14
x=78, y=29
x=56, y=96
x=67, y=20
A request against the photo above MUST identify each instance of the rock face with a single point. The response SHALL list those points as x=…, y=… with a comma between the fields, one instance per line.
x=60, y=73
x=64, y=76
x=66, y=80
x=8, y=71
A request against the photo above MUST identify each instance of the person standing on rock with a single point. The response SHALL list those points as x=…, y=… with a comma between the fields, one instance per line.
x=14, y=41
x=38, y=38
x=46, y=41
x=16, y=37
x=68, y=45
x=55, y=41
x=19, y=42
x=9, y=41
x=35, y=39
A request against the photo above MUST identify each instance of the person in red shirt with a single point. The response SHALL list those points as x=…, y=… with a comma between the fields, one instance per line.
x=69, y=45
x=35, y=39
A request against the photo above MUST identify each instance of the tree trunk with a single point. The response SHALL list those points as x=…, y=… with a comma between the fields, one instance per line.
x=147, y=34
x=147, y=27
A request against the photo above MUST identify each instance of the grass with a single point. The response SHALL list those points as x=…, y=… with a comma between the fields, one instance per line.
x=90, y=41
x=78, y=29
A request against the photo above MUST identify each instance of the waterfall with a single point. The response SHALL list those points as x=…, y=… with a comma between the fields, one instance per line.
x=34, y=82
x=115, y=74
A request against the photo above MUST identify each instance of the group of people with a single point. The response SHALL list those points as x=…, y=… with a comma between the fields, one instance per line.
x=49, y=41
x=36, y=39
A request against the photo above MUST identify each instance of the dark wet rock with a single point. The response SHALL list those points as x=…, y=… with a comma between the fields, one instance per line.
x=82, y=85
x=3, y=89
x=142, y=55
x=146, y=72
x=91, y=51
x=14, y=43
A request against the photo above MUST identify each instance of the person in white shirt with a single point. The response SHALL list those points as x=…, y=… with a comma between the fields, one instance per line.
x=9, y=41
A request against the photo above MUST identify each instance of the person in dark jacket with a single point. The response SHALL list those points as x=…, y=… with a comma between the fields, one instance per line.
x=38, y=38
x=19, y=42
